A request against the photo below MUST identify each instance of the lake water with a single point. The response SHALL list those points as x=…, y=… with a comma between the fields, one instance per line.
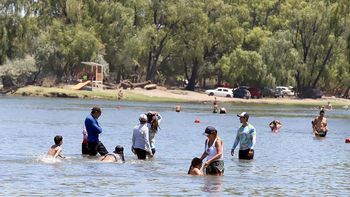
x=289, y=163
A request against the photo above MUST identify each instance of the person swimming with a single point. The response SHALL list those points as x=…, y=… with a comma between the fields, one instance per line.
x=55, y=150
x=195, y=168
x=116, y=156
x=275, y=125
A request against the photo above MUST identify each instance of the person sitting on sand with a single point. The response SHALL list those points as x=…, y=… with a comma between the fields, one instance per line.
x=319, y=125
x=55, y=150
x=195, y=168
x=116, y=156
x=275, y=125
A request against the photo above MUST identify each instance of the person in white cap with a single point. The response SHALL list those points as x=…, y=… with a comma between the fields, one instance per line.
x=140, y=139
x=246, y=137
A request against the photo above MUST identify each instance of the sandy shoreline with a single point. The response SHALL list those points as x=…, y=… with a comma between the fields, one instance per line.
x=162, y=94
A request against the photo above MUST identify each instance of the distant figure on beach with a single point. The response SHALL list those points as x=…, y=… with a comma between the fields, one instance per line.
x=55, y=150
x=213, y=152
x=195, y=168
x=93, y=130
x=275, y=126
x=246, y=137
x=329, y=106
x=153, y=122
x=215, y=106
x=319, y=125
x=120, y=95
x=116, y=156
x=140, y=139
x=346, y=107
x=84, y=144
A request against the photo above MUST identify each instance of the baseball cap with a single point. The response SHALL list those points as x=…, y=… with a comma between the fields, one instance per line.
x=118, y=149
x=243, y=114
x=209, y=130
x=143, y=117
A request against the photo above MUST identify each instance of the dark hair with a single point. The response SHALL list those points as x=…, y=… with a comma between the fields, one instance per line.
x=195, y=161
x=153, y=121
x=322, y=111
x=58, y=139
x=149, y=117
x=95, y=109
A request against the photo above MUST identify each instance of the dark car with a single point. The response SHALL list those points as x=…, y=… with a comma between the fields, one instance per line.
x=241, y=93
x=255, y=92
x=278, y=93
x=268, y=92
x=311, y=93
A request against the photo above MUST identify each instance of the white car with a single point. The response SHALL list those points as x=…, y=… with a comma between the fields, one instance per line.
x=225, y=92
x=285, y=90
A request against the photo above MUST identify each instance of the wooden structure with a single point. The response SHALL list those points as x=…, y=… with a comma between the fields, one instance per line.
x=96, y=74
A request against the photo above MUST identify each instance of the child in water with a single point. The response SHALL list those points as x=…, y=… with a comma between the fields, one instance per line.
x=55, y=150
x=195, y=168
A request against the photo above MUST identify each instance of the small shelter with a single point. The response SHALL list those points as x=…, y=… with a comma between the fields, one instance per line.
x=96, y=74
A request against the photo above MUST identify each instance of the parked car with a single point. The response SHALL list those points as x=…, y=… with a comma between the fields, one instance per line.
x=285, y=90
x=241, y=93
x=278, y=93
x=268, y=92
x=220, y=91
x=255, y=92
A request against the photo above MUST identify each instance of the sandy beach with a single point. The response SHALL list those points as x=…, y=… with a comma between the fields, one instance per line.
x=162, y=94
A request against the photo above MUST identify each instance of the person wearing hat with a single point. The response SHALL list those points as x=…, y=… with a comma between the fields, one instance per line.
x=93, y=130
x=140, y=139
x=246, y=137
x=213, y=152
x=116, y=156
x=319, y=125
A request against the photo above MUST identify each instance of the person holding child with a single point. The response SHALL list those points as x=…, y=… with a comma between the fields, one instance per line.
x=55, y=150
x=213, y=152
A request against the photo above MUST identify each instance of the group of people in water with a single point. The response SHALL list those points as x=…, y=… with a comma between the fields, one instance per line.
x=143, y=141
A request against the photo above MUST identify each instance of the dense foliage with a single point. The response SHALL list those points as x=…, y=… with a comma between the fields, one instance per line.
x=300, y=43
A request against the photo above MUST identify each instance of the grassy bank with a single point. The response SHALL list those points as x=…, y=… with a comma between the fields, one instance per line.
x=164, y=95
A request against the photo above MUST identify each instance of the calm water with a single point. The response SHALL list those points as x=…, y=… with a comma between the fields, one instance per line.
x=290, y=163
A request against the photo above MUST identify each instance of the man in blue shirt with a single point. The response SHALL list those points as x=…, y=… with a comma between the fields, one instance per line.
x=93, y=130
x=246, y=137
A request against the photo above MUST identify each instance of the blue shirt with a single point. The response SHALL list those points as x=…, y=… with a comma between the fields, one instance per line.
x=246, y=137
x=92, y=128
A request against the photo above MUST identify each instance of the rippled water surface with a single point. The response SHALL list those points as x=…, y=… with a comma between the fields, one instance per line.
x=289, y=163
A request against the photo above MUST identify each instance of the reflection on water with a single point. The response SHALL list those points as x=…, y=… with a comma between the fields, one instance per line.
x=212, y=184
x=289, y=163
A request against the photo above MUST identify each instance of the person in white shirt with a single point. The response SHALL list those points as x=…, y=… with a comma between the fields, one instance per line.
x=213, y=152
x=140, y=139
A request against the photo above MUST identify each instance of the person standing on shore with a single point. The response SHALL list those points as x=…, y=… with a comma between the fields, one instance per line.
x=246, y=137
x=319, y=125
x=213, y=152
x=93, y=130
x=140, y=139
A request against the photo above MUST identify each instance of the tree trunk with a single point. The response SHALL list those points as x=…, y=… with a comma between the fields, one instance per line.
x=192, y=81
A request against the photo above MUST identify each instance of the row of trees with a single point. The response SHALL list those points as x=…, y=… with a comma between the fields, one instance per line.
x=303, y=43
